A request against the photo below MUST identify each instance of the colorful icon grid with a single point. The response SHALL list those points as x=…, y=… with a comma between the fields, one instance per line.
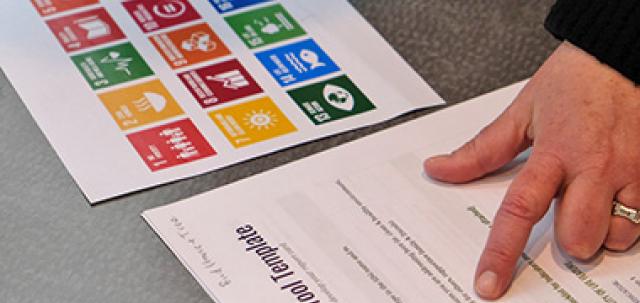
x=98, y=48
x=221, y=80
x=235, y=102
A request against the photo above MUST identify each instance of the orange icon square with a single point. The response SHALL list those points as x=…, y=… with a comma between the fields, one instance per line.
x=141, y=104
x=252, y=122
x=190, y=45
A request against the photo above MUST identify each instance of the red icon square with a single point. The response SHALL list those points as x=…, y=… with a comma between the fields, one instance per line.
x=85, y=29
x=49, y=7
x=152, y=15
x=220, y=83
x=171, y=144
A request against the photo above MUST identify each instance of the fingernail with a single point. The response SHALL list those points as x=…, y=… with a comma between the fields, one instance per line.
x=434, y=159
x=486, y=284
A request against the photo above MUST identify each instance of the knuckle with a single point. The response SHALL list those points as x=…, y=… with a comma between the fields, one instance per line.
x=596, y=171
x=499, y=255
x=520, y=205
x=577, y=249
x=548, y=160
x=483, y=163
x=472, y=150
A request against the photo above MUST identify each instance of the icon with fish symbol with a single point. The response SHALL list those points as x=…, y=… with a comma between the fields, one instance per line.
x=312, y=58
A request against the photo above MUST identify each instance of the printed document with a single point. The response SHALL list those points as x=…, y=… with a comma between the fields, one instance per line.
x=361, y=223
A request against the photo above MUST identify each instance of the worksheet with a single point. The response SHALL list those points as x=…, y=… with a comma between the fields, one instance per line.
x=362, y=223
x=133, y=94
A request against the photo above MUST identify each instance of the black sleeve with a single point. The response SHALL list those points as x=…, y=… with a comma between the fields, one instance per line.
x=607, y=29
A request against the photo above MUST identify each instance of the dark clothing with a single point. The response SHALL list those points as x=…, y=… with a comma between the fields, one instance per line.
x=607, y=29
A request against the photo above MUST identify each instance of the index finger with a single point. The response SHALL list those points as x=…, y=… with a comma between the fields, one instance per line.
x=525, y=203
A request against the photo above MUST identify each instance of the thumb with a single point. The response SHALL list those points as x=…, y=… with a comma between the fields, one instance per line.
x=496, y=145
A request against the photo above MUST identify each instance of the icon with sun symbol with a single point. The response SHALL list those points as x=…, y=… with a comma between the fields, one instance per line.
x=260, y=119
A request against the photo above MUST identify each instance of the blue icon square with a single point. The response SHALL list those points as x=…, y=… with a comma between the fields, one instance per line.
x=224, y=6
x=297, y=62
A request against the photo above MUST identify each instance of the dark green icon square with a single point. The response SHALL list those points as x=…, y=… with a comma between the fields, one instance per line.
x=331, y=100
x=265, y=26
x=113, y=65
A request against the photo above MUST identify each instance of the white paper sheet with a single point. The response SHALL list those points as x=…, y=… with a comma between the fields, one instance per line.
x=361, y=223
x=133, y=94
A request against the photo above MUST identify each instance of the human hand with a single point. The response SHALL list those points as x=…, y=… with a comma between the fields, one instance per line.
x=582, y=119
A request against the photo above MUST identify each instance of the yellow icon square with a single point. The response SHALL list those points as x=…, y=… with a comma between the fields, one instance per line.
x=251, y=122
x=140, y=104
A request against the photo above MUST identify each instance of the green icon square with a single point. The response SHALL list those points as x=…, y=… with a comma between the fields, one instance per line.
x=331, y=100
x=113, y=65
x=265, y=26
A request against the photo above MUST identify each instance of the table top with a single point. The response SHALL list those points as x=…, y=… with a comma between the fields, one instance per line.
x=56, y=248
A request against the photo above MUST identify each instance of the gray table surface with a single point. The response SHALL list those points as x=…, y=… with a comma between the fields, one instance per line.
x=54, y=247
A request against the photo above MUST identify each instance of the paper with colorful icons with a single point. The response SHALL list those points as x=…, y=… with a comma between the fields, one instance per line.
x=134, y=94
